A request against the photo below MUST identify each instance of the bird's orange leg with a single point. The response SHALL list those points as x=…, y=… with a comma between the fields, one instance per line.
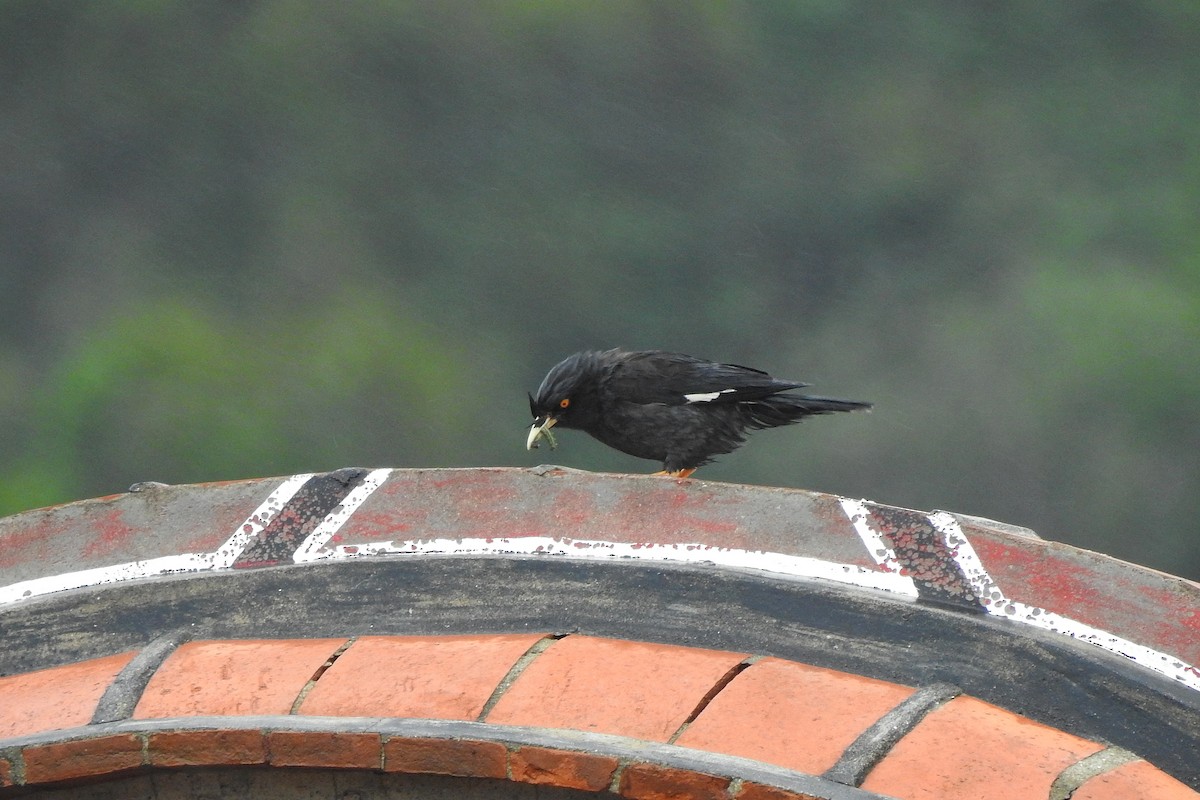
x=679, y=473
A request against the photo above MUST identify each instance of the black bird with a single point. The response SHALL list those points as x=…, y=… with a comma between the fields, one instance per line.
x=669, y=407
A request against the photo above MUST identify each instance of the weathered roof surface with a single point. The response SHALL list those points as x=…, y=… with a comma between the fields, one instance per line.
x=588, y=631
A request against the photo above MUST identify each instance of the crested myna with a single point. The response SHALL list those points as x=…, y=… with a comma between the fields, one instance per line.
x=668, y=407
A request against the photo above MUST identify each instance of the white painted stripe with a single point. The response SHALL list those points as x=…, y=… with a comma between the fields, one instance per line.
x=879, y=548
x=222, y=558
x=228, y=552
x=1162, y=663
x=997, y=604
x=35, y=587
x=967, y=559
x=687, y=553
x=309, y=548
x=886, y=579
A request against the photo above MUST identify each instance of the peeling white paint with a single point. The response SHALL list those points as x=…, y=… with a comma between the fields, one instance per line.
x=222, y=558
x=687, y=553
x=997, y=604
x=888, y=578
x=968, y=560
x=877, y=546
x=313, y=549
x=185, y=562
x=228, y=552
x=334, y=520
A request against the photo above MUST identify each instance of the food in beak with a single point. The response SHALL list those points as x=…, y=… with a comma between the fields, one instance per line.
x=541, y=428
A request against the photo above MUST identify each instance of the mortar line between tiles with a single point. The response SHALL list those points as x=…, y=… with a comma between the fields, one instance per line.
x=1083, y=770
x=714, y=690
x=873, y=744
x=614, y=784
x=312, y=682
x=16, y=759
x=514, y=672
x=123, y=694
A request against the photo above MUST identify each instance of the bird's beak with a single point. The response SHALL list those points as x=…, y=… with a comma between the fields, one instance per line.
x=541, y=427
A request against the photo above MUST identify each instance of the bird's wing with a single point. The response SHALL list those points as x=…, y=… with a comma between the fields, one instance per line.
x=677, y=379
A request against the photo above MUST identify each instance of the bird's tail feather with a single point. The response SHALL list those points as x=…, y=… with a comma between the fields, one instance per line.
x=784, y=409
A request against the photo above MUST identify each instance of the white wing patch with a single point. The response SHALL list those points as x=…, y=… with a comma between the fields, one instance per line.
x=706, y=397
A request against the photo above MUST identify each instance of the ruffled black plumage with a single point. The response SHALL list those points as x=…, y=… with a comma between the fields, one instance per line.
x=669, y=407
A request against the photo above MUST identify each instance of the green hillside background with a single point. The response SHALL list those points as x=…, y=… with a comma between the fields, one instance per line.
x=255, y=238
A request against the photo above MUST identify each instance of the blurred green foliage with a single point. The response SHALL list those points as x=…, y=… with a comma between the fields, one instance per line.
x=255, y=238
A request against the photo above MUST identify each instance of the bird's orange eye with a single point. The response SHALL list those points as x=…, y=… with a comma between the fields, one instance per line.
x=564, y=402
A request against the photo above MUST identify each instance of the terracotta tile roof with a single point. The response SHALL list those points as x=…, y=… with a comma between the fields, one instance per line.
x=740, y=659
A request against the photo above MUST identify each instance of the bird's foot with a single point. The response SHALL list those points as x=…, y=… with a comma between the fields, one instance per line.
x=679, y=473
